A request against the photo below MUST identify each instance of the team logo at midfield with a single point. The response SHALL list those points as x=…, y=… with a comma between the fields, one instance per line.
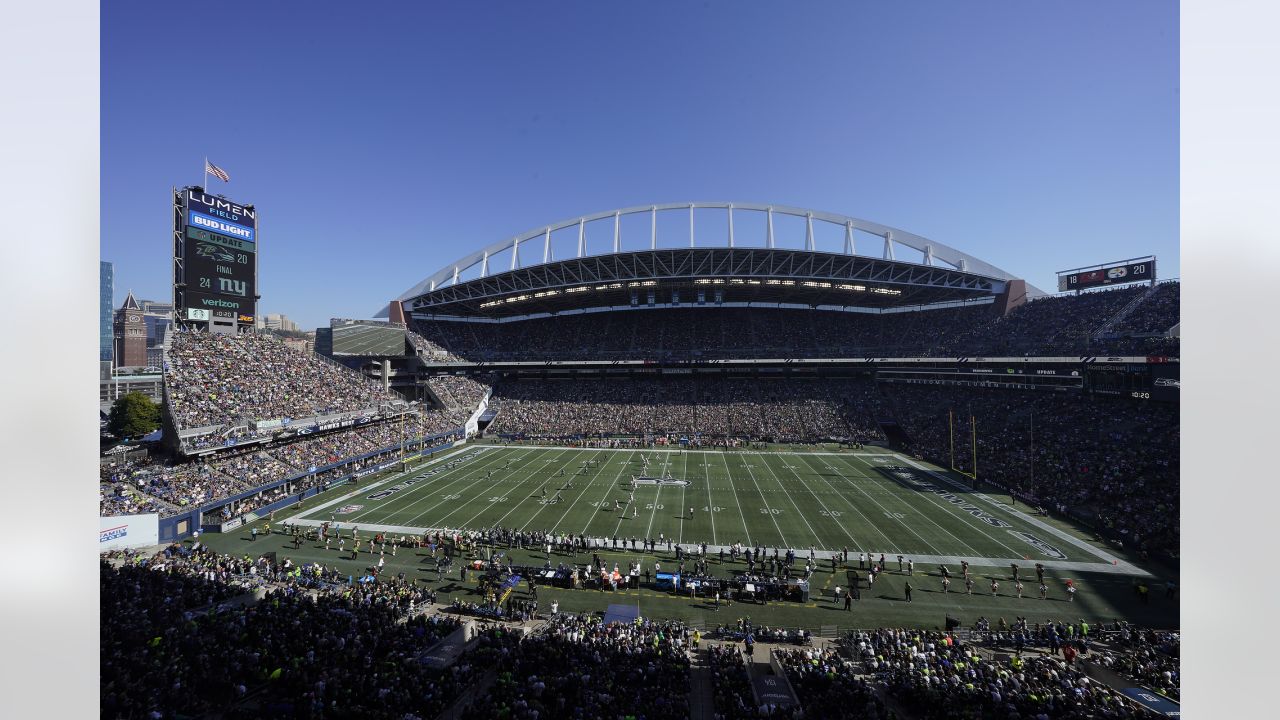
x=348, y=509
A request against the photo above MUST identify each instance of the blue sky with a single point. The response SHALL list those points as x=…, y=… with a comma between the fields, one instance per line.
x=380, y=141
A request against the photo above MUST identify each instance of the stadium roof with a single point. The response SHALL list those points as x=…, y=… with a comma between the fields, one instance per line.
x=508, y=278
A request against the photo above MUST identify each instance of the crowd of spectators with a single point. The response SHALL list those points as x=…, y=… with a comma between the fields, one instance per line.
x=459, y=394
x=1106, y=460
x=581, y=667
x=779, y=410
x=168, y=488
x=223, y=379
x=1109, y=461
x=429, y=350
x=829, y=685
x=1156, y=314
x=1148, y=657
x=730, y=684
x=190, y=631
x=184, y=484
x=1055, y=325
x=319, y=648
x=117, y=499
x=936, y=675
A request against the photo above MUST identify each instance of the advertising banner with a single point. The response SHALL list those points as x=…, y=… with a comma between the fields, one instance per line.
x=126, y=531
x=220, y=215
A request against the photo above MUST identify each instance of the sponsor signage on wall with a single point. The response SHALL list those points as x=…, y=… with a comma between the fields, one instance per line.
x=124, y=531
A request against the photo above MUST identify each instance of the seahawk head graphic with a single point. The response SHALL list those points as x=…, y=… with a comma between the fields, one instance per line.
x=215, y=252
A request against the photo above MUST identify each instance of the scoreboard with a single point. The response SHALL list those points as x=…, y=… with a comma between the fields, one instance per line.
x=215, y=253
x=1119, y=274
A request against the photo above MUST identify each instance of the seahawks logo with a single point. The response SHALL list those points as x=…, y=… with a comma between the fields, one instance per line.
x=215, y=252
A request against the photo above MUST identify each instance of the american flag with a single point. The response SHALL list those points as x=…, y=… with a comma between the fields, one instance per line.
x=216, y=171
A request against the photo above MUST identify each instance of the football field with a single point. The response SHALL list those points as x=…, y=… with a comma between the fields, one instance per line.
x=875, y=501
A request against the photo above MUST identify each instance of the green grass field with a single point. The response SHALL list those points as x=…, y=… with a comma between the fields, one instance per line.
x=873, y=501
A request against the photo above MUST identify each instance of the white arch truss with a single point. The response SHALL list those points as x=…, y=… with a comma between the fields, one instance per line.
x=932, y=251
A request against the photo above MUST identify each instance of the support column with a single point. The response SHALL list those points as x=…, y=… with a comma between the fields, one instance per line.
x=617, y=233
x=769, y=237
x=546, y=247
x=484, y=265
x=582, y=238
x=928, y=255
x=653, y=228
x=515, y=254
x=848, y=237
x=888, y=245
x=808, y=232
x=730, y=224
x=691, y=243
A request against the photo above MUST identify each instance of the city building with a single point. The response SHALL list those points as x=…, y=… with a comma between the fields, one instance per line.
x=277, y=321
x=106, y=293
x=159, y=317
x=130, y=333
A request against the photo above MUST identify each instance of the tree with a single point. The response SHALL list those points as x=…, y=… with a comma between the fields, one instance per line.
x=133, y=415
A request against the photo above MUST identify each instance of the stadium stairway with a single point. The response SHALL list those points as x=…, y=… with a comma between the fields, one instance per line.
x=701, y=699
x=477, y=690
x=1123, y=313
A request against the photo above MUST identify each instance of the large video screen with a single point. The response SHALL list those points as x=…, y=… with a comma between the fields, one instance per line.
x=219, y=239
x=1144, y=271
x=373, y=340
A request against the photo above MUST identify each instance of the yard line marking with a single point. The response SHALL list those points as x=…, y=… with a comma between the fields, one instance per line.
x=888, y=514
x=965, y=519
x=468, y=488
x=607, y=488
x=1061, y=534
x=654, y=512
x=588, y=486
x=544, y=506
x=301, y=517
x=618, y=526
x=684, y=497
x=420, y=493
x=734, y=488
x=710, y=503
x=762, y=499
x=821, y=502
x=817, y=539
x=420, y=490
x=498, y=522
x=483, y=508
x=852, y=505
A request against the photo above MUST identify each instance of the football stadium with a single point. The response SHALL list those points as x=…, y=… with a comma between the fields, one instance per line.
x=801, y=465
